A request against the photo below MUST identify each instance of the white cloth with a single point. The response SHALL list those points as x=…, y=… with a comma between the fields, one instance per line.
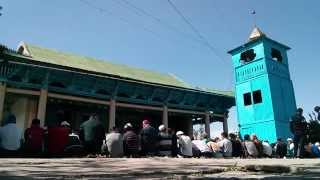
x=267, y=149
x=114, y=142
x=201, y=145
x=185, y=145
x=226, y=147
x=10, y=137
x=291, y=147
x=251, y=148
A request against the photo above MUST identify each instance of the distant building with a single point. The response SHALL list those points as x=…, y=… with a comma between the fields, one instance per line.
x=263, y=89
x=39, y=82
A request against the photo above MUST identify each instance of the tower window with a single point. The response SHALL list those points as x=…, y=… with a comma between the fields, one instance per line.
x=276, y=55
x=247, y=99
x=257, y=98
x=247, y=56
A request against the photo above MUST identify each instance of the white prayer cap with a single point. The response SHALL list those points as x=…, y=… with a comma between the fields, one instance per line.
x=128, y=125
x=162, y=127
x=179, y=133
x=64, y=123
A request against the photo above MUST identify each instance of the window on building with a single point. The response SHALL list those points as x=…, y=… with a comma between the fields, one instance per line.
x=257, y=98
x=247, y=56
x=276, y=55
x=247, y=99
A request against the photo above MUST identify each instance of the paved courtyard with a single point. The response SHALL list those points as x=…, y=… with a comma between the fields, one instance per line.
x=158, y=168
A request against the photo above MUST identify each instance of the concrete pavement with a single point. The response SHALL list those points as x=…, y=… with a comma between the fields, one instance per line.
x=158, y=168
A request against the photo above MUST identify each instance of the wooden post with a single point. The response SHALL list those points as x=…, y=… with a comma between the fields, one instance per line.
x=2, y=97
x=42, y=105
x=165, y=121
x=112, y=114
x=190, y=128
x=225, y=124
x=207, y=124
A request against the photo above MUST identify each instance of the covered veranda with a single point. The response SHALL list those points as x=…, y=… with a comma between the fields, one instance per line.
x=43, y=88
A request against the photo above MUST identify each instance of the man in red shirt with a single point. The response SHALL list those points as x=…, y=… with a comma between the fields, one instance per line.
x=34, y=138
x=58, y=137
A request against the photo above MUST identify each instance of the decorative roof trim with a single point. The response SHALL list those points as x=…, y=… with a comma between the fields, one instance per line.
x=25, y=51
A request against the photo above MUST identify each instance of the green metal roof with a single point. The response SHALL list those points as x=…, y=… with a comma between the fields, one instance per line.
x=101, y=66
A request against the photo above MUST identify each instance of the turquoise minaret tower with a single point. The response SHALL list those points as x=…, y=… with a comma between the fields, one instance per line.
x=263, y=89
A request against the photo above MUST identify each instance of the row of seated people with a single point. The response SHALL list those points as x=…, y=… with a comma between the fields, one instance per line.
x=59, y=141
x=56, y=140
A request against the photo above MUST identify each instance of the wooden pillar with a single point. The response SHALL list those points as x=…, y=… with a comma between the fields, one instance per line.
x=207, y=123
x=165, y=121
x=190, y=128
x=2, y=97
x=225, y=124
x=42, y=105
x=112, y=114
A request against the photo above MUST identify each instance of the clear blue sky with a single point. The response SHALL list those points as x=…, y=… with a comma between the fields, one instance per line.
x=75, y=27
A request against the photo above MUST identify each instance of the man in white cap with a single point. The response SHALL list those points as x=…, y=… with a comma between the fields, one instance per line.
x=184, y=144
x=165, y=142
x=290, y=148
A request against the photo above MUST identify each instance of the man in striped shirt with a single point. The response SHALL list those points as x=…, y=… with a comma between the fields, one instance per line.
x=130, y=141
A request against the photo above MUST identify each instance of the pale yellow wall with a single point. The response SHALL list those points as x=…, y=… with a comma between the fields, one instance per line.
x=24, y=108
x=20, y=109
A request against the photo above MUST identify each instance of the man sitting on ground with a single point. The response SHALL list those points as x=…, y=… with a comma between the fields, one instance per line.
x=34, y=138
x=281, y=148
x=149, y=139
x=214, y=146
x=165, y=142
x=10, y=137
x=130, y=141
x=184, y=145
x=290, y=148
x=250, y=150
x=236, y=145
x=315, y=150
x=114, y=143
x=225, y=145
x=267, y=149
x=202, y=146
x=58, y=137
x=258, y=144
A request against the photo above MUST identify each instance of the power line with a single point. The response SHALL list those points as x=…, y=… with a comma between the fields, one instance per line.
x=194, y=29
x=141, y=11
x=102, y=10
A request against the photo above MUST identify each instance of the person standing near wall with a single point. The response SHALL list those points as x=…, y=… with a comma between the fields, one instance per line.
x=317, y=110
x=92, y=134
x=298, y=127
